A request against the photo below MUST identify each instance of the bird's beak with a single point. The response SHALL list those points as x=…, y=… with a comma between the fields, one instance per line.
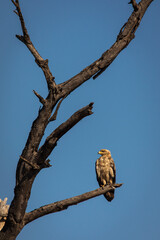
x=99, y=152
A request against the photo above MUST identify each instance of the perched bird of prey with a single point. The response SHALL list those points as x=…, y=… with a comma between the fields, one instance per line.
x=106, y=172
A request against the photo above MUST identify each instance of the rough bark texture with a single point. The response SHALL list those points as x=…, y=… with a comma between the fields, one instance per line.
x=34, y=157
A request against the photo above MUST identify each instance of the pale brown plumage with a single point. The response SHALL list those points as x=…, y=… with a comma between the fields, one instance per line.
x=106, y=172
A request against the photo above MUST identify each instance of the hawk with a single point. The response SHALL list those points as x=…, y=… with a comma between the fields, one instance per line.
x=106, y=172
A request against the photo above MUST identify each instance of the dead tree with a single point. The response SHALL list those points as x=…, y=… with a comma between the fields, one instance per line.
x=34, y=156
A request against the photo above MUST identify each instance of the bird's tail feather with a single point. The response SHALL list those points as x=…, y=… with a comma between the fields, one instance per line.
x=109, y=195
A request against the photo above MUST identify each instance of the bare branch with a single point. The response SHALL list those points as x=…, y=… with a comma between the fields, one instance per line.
x=41, y=99
x=99, y=66
x=24, y=29
x=16, y=12
x=64, y=204
x=43, y=64
x=52, y=139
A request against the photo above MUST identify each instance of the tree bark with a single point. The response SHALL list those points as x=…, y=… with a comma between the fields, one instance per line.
x=64, y=204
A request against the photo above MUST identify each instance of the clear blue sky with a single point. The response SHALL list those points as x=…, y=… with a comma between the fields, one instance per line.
x=126, y=120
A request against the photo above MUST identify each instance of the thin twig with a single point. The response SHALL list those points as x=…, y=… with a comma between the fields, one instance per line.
x=54, y=116
x=41, y=99
x=16, y=12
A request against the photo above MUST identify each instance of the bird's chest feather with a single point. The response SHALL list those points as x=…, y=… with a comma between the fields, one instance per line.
x=102, y=166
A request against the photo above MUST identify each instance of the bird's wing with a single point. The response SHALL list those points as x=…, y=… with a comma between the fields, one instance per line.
x=112, y=166
x=98, y=171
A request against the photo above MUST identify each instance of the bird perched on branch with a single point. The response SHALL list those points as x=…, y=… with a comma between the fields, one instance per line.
x=106, y=172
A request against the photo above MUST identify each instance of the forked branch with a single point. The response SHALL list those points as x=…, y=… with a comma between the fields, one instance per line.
x=64, y=204
x=51, y=140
